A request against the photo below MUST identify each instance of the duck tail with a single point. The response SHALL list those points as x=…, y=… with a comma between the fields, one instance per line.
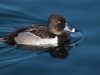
x=2, y=40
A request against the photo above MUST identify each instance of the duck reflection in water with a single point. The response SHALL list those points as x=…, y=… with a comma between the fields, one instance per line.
x=55, y=52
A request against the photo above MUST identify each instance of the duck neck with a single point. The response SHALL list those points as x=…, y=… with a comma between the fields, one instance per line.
x=54, y=31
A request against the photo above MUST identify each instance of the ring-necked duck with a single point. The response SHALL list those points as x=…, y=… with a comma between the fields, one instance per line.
x=51, y=33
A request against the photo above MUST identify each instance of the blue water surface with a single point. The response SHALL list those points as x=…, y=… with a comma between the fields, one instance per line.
x=81, y=57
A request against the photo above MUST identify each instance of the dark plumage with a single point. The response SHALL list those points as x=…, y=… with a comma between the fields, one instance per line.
x=55, y=27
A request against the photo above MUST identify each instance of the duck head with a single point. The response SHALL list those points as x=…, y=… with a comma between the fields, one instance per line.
x=56, y=24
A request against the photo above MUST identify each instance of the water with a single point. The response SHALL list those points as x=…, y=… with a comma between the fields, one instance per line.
x=82, y=57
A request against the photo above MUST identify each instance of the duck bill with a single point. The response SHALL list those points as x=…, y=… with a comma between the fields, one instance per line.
x=68, y=28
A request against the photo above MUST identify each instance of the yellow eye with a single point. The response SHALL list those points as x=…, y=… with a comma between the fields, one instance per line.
x=59, y=22
x=60, y=53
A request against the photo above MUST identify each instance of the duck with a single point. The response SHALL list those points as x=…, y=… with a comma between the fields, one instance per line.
x=55, y=32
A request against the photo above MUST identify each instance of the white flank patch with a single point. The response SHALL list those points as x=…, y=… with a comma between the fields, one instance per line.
x=28, y=38
x=68, y=28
